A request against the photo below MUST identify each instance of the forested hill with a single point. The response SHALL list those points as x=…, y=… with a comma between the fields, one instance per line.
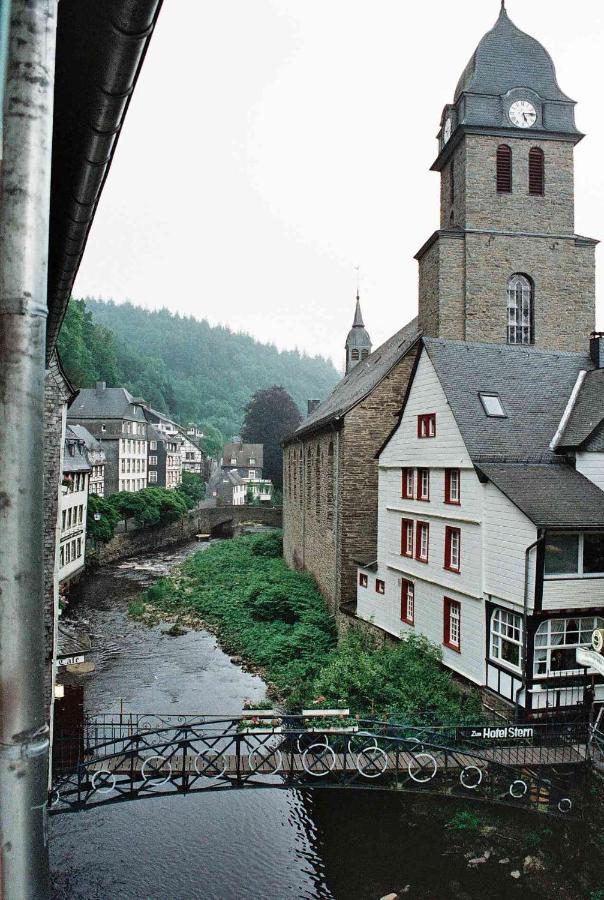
x=183, y=366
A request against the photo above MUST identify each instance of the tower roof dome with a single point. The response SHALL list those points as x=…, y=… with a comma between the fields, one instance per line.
x=508, y=58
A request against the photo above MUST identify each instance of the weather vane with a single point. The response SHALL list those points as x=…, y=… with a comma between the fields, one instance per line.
x=358, y=270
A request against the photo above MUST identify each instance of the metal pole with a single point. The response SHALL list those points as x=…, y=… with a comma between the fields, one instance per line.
x=24, y=215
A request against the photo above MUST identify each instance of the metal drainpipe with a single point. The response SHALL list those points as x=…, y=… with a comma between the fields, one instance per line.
x=24, y=215
x=527, y=554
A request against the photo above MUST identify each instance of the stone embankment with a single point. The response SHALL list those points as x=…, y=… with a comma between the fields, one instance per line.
x=205, y=519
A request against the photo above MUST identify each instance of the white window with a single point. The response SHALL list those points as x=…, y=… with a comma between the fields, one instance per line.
x=103, y=427
x=520, y=310
x=63, y=519
x=79, y=553
x=252, y=461
x=574, y=555
x=506, y=637
x=152, y=445
x=491, y=403
x=251, y=473
x=62, y=557
x=153, y=460
x=152, y=477
x=556, y=642
x=233, y=461
x=67, y=553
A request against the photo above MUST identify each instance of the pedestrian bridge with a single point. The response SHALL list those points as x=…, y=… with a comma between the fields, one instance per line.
x=543, y=768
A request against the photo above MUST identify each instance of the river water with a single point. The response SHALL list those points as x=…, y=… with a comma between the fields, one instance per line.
x=236, y=845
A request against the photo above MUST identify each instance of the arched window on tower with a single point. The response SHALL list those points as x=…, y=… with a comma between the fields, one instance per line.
x=520, y=310
x=536, y=171
x=354, y=353
x=504, y=169
x=364, y=353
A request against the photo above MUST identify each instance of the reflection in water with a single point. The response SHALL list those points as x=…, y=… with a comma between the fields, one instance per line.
x=234, y=845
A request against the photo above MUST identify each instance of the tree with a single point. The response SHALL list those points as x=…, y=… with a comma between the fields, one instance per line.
x=103, y=528
x=270, y=416
x=192, y=488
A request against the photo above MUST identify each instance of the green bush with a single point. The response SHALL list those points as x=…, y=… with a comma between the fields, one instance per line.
x=269, y=544
x=102, y=529
x=465, y=820
x=272, y=603
x=192, y=488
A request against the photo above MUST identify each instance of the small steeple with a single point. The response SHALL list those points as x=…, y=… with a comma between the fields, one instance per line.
x=358, y=342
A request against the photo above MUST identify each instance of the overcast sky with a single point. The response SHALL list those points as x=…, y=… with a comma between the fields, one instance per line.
x=273, y=145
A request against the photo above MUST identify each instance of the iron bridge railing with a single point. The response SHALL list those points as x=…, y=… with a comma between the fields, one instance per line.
x=133, y=756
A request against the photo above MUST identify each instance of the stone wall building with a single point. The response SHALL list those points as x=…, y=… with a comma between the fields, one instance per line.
x=505, y=267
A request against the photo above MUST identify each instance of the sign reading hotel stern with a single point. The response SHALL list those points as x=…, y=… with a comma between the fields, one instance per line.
x=496, y=732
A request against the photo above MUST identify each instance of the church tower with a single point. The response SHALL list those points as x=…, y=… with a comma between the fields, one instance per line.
x=358, y=342
x=506, y=265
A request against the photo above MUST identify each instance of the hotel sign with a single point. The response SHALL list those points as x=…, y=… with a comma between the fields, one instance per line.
x=496, y=732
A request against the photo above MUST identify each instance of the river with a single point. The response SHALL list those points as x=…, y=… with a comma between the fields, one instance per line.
x=236, y=845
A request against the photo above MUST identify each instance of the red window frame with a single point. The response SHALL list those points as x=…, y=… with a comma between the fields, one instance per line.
x=406, y=530
x=380, y=586
x=420, y=487
x=405, y=493
x=405, y=585
x=418, y=542
x=449, y=532
x=363, y=580
x=448, y=498
x=448, y=605
x=426, y=422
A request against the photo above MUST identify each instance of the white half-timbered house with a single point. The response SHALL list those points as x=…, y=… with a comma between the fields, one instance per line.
x=491, y=518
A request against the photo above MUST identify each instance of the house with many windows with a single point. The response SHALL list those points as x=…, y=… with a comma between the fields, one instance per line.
x=164, y=462
x=73, y=507
x=96, y=457
x=247, y=461
x=116, y=419
x=491, y=518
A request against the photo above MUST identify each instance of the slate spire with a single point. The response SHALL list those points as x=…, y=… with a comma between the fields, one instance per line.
x=358, y=342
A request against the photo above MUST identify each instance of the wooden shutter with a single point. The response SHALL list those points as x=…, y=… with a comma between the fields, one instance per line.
x=504, y=169
x=536, y=171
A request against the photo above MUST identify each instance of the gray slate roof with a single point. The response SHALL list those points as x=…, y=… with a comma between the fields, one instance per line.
x=243, y=453
x=588, y=412
x=534, y=387
x=107, y=403
x=552, y=496
x=360, y=381
x=74, y=456
x=84, y=435
x=507, y=58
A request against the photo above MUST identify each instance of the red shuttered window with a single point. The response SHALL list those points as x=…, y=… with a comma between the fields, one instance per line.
x=380, y=586
x=536, y=171
x=422, y=541
x=426, y=425
x=362, y=579
x=407, y=537
x=423, y=484
x=408, y=484
x=407, y=601
x=452, y=549
x=504, y=169
x=452, y=624
x=453, y=486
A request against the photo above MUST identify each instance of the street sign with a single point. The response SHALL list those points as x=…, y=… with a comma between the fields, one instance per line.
x=495, y=732
x=69, y=660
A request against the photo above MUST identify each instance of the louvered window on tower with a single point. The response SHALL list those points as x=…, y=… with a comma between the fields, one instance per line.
x=536, y=171
x=504, y=169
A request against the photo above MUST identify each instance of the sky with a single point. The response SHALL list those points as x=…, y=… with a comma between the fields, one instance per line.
x=273, y=146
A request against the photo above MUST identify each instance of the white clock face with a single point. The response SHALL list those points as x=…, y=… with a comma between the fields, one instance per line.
x=447, y=131
x=522, y=114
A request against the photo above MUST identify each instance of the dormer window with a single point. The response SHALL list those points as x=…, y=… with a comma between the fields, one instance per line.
x=426, y=425
x=492, y=405
x=252, y=461
x=233, y=461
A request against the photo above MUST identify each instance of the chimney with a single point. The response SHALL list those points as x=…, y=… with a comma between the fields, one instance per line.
x=596, y=348
x=101, y=386
x=312, y=405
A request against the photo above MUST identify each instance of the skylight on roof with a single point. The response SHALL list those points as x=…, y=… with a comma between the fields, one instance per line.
x=491, y=403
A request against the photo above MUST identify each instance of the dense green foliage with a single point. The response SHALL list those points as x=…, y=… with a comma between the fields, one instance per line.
x=277, y=619
x=181, y=366
x=270, y=416
x=103, y=529
x=151, y=506
x=192, y=487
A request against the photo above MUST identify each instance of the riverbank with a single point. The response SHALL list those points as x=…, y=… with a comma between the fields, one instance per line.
x=277, y=622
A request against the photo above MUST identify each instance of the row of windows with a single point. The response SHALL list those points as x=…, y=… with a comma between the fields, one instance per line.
x=132, y=484
x=97, y=472
x=133, y=428
x=316, y=487
x=72, y=516
x=415, y=543
x=356, y=355
x=75, y=483
x=132, y=447
x=578, y=555
x=134, y=465
x=98, y=489
x=536, y=170
x=415, y=485
x=70, y=551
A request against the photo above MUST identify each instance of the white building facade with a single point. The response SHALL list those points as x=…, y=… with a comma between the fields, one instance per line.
x=73, y=508
x=468, y=550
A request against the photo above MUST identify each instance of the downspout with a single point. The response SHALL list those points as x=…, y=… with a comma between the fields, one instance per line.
x=524, y=681
x=24, y=212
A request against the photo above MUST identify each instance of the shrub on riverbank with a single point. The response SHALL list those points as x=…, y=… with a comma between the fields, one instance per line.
x=276, y=619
